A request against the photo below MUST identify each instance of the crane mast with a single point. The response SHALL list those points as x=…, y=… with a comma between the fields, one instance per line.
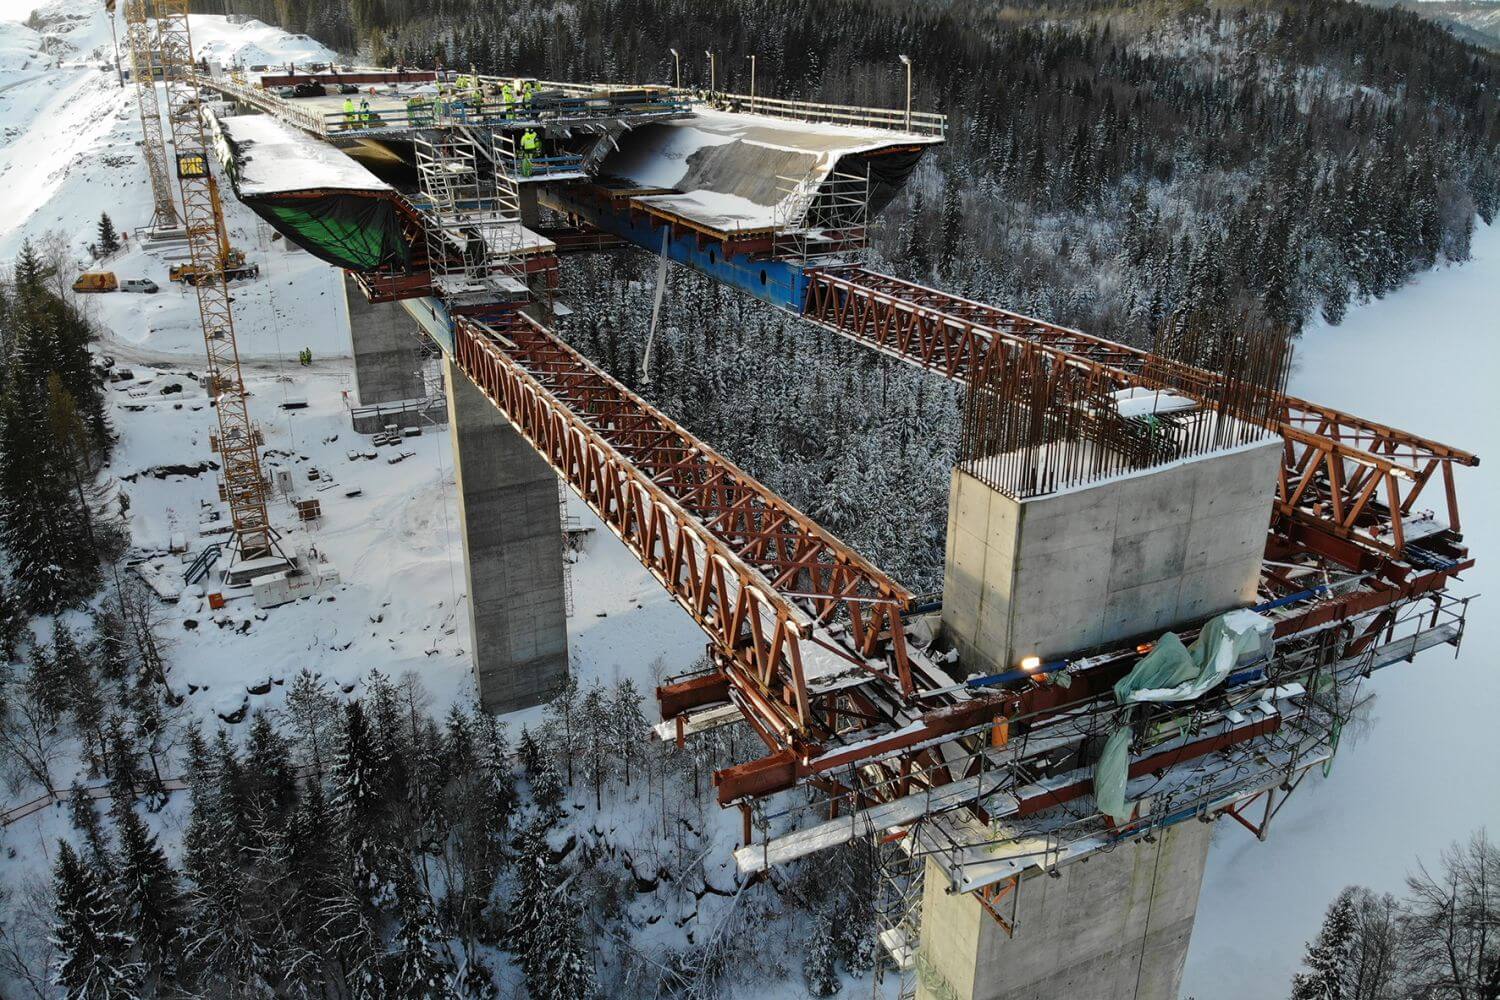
x=238, y=441
x=138, y=39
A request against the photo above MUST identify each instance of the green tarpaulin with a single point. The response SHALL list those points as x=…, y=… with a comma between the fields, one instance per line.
x=353, y=231
x=1175, y=672
x=1111, y=774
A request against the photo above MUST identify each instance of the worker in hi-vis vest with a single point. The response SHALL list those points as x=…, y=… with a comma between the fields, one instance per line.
x=348, y=112
x=507, y=98
x=531, y=145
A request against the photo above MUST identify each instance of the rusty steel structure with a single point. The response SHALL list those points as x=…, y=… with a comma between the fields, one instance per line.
x=791, y=611
x=841, y=671
x=1345, y=477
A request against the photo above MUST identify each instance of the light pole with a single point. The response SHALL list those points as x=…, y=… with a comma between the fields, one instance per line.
x=713, y=82
x=677, y=67
x=752, y=83
x=906, y=61
x=119, y=70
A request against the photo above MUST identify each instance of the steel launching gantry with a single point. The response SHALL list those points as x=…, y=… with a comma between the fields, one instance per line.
x=835, y=666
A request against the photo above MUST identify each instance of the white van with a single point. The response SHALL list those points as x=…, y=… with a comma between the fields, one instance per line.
x=139, y=285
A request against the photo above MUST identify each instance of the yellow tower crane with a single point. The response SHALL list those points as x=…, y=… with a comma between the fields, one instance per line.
x=238, y=441
x=140, y=42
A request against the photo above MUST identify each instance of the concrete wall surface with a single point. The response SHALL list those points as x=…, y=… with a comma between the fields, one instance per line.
x=1113, y=927
x=1051, y=575
x=512, y=531
x=384, y=340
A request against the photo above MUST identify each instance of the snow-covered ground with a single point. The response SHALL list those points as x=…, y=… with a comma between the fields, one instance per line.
x=1426, y=359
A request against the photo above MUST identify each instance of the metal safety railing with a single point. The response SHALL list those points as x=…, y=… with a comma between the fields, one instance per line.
x=923, y=123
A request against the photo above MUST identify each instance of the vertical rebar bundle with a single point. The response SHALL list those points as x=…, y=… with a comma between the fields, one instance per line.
x=1035, y=423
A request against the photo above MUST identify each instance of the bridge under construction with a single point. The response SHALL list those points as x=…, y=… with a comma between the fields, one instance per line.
x=1166, y=579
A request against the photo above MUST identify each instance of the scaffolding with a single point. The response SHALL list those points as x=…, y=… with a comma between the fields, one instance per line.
x=823, y=221
x=472, y=218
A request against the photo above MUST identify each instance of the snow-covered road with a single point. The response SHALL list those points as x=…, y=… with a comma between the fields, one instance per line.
x=1426, y=359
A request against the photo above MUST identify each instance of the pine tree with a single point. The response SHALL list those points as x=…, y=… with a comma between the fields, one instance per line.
x=818, y=967
x=629, y=725
x=85, y=820
x=418, y=969
x=92, y=960
x=1329, y=956
x=568, y=972
x=150, y=900
x=547, y=790
x=359, y=804
x=533, y=908
x=108, y=240
x=595, y=739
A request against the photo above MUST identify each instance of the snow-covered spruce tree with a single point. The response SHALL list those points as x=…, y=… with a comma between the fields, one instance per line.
x=418, y=962
x=1329, y=955
x=818, y=967
x=629, y=726
x=360, y=807
x=270, y=777
x=596, y=746
x=530, y=754
x=533, y=909
x=85, y=820
x=146, y=890
x=568, y=972
x=562, y=721
x=222, y=950
x=93, y=952
x=108, y=240
x=547, y=790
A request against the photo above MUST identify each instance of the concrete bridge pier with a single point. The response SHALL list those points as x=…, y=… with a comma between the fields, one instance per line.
x=384, y=340
x=1047, y=576
x=513, y=544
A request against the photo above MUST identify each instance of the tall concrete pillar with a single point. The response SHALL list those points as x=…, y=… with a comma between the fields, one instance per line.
x=384, y=340
x=1113, y=927
x=513, y=542
x=1049, y=576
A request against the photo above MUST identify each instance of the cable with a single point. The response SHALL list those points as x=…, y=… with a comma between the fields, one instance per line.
x=1150, y=904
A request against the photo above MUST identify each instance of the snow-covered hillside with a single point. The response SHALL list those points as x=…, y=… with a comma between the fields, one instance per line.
x=1426, y=359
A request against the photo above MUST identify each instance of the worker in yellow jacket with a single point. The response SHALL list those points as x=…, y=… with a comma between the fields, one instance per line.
x=531, y=147
x=348, y=112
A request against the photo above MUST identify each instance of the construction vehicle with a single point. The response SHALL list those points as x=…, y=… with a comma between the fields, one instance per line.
x=234, y=267
x=96, y=281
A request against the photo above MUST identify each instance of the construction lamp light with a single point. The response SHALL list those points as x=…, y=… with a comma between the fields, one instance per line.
x=1031, y=663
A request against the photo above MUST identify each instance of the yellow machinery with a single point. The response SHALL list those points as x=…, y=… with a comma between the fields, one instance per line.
x=169, y=53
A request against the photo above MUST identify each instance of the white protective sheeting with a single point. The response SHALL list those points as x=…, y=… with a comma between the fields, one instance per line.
x=271, y=157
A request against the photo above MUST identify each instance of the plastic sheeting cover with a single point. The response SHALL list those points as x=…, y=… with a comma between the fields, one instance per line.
x=1175, y=672
x=1111, y=773
x=352, y=232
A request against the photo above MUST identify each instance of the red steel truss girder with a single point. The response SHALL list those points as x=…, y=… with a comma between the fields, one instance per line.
x=708, y=532
x=1335, y=463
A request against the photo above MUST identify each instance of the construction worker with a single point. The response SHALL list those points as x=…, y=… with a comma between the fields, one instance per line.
x=365, y=118
x=531, y=147
x=528, y=91
x=348, y=112
x=507, y=98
